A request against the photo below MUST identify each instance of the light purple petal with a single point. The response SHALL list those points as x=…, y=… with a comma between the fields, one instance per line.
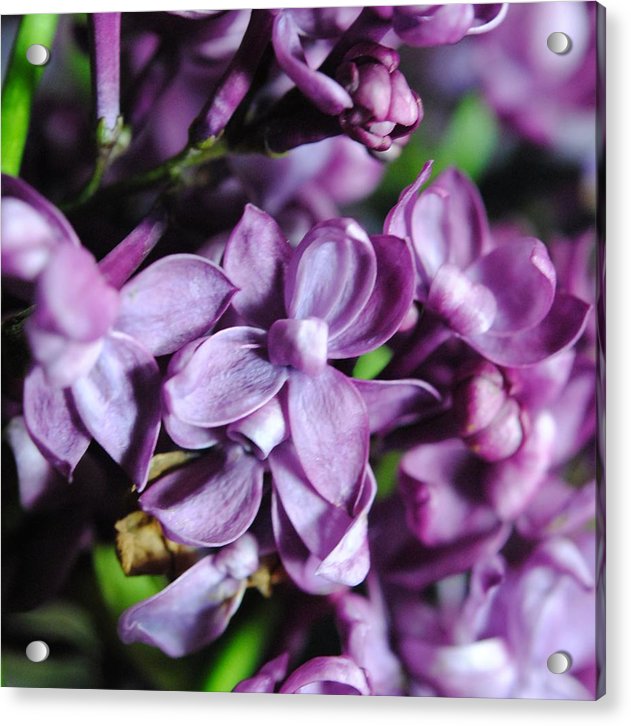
x=53, y=423
x=332, y=274
x=262, y=430
x=562, y=326
x=191, y=612
x=522, y=279
x=224, y=379
x=255, y=259
x=267, y=677
x=119, y=403
x=329, y=427
x=173, y=301
x=427, y=26
x=399, y=219
x=72, y=297
x=335, y=670
x=327, y=95
x=387, y=305
x=209, y=502
x=395, y=403
x=188, y=436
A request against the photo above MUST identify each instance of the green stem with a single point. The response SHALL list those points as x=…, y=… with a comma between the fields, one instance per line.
x=19, y=88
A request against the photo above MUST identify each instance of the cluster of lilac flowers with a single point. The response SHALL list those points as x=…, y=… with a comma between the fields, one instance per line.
x=231, y=352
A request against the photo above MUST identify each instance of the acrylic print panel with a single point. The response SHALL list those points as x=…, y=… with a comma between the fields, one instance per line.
x=303, y=334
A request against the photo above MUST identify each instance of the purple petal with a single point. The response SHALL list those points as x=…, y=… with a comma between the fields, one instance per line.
x=72, y=297
x=391, y=404
x=439, y=485
x=434, y=25
x=188, y=436
x=387, y=305
x=300, y=344
x=224, y=379
x=266, y=679
x=522, y=279
x=558, y=509
x=332, y=274
x=119, y=403
x=255, y=259
x=37, y=480
x=211, y=501
x=105, y=32
x=191, y=612
x=173, y=301
x=327, y=95
x=488, y=17
x=329, y=427
x=53, y=423
x=399, y=219
x=561, y=328
x=335, y=670
x=262, y=430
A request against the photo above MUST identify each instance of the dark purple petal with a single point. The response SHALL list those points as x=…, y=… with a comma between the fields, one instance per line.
x=522, y=279
x=255, y=259
x=319, y=672
x=387, y=305
x=119, y=403
x=191, y=612
x=395, y=403
x=267, y=677
x=399, y=219
x=561, y=328
x=225, y=378
x=332, y=274
x=329, y=428
x=53, y=423
x=173, y=301
x=327, y=95
x=211, y=501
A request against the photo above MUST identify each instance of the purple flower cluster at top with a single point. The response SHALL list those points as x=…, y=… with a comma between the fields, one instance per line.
x=438, y=511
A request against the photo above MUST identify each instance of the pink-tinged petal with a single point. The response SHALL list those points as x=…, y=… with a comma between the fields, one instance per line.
x=328, y=674
x=484, y=669
x=387, y=305
x=224, y=378
x=266, y=679
x=119, y=403
x=332, y=274
x=467, y=307
x=209, y=502
x=488, y=17
x=37, y=480
x=63, y=361
x=399, y=219
x=53, y=423
x=558, y=509
x=563, y=556
x=327, y=95
x=329, y=427
x=262, y=430
x=440, y=485
x=191, y=612
x=31, y=229
x=299, y=563
x=521, y=278
x=511, y=484
x=120, y=264
x=560, y=329
x=428, y=26
x=173, y=302
x=256, y=256
x=72, y=297
x=391, y=404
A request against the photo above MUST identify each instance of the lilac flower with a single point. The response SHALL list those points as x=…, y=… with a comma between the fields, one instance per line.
x=330, y=675
x=500, y=298
x=196, y=608
x=105, y=32
x=95, y=346
x=235, y=372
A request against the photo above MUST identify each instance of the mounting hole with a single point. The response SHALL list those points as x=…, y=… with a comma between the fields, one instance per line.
x=559, y=43
x=559, y=662
x=37, y=651
x=37, y=55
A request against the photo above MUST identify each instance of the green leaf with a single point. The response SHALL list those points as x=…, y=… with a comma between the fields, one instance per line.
x=369, y=366
x=386, y=473
x=117, y=589
x=20, y=85
x=243, y=651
